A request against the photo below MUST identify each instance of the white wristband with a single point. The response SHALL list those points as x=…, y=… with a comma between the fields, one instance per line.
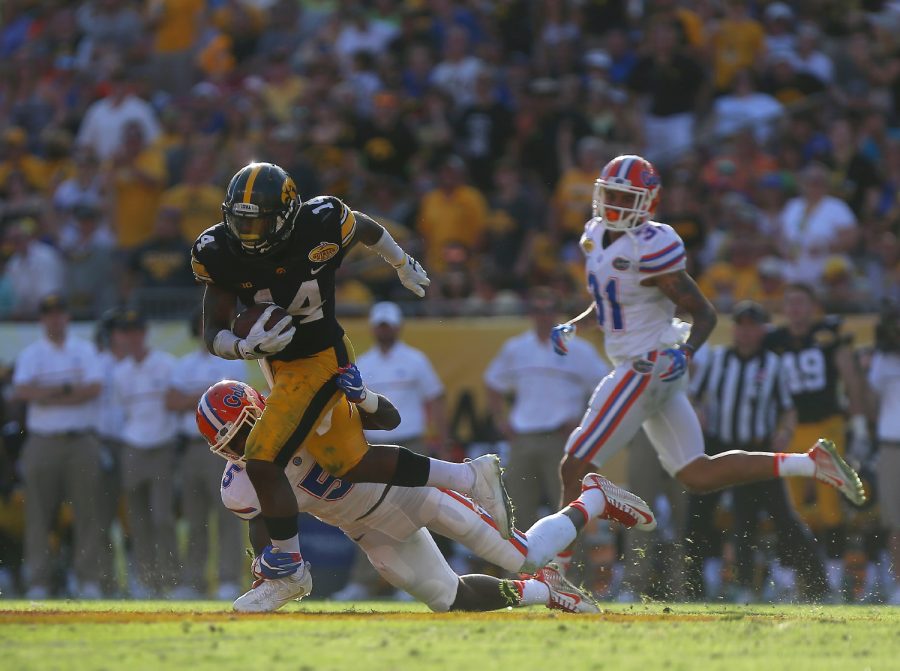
x=370, y=403
x=858, y=426
x=225, y=345
x=389, y=249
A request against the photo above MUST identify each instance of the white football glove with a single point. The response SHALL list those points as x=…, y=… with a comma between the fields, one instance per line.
x=261, y=343
x=413, y=276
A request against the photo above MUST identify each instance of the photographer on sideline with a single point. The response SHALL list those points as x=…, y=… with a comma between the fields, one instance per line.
x=884, y=380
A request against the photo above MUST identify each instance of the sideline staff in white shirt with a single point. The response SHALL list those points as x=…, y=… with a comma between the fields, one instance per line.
x=141, y=384
x=60, y=378
x=201, y=473
x=406, y=376
x=884, y=378
x=549, y=391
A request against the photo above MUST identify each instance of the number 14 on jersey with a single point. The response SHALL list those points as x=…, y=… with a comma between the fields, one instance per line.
x=610, y=290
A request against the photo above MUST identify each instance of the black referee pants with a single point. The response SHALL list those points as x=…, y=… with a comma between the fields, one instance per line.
x=796, y=547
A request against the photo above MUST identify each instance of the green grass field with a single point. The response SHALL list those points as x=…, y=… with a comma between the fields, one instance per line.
x=318, y=636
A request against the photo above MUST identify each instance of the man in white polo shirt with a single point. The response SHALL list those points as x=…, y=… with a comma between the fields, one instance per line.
x=141, y=384
x=548, y=390
x=201, y=473
x=59, y=376
x=405, y=375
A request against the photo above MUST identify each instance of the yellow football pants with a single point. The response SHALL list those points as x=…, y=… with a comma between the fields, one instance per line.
x=818, y=504
x=304, y=395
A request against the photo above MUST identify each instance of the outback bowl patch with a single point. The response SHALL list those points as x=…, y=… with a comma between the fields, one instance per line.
x=621, y=263
x=323, y=251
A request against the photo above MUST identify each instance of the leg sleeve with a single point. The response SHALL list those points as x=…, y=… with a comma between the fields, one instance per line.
x=461, y=520
x=414, y=565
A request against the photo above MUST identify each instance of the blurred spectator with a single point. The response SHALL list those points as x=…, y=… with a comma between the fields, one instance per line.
x=90, y=265
x=141, y=381
x=385, y=142
x=814, y=226
x=482, y=131
x=282, y=89
x=884, y=380
x=457, y=73
x=137, y=174
x=196, y=197
x=739, y=165
x=770, y=284
x=745, y=107
x=105, y=121
x=737, y=43
x=85, y=184
x=176, y=26
x=35, y=269
x=853, y=176
x=201, y=476
x=672, y=82
x=784, y=83
x=778, y=25
x=19, y=201
x=360, y=34
x=242, y=22
x=512, y=224
x=17, y=158
x=622, y=57
x=570, y=207
x=451, y=212
x=59, y=376
x=808, y=58
x=548, y=391
x=842, y=289
x=163, y=262
x=406, y=376
x=110, y=27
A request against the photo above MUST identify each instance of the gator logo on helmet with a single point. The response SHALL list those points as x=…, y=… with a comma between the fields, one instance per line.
x=288, y=191
x=621, y=263
x=323, y=251
x=650, y=178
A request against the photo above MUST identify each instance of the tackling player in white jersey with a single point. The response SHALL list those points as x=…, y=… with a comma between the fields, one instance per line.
x=389, y=523
x=636, y=274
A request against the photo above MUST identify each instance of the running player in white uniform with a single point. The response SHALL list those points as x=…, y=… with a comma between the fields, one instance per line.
x=636, y=274
x=389, y=523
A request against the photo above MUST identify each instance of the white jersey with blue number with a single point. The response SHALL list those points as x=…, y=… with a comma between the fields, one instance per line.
x=330, y=499
x=636, y=319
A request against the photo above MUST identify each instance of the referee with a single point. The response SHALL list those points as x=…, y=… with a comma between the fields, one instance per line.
x=745, y=404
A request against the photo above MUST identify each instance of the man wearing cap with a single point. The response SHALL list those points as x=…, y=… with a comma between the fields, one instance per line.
x=549, y=391
x=404, y=374
x=60, y=376
x=142, y=384
x=744, y=400
x=201, y=473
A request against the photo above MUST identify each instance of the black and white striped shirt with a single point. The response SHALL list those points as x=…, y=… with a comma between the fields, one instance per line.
x=742, y=398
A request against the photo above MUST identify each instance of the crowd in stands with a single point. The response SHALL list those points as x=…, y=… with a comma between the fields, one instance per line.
x=473, y=130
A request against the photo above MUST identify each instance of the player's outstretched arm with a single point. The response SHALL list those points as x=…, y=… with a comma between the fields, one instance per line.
x=374, y=236
x=681, y=289
x=376, y=411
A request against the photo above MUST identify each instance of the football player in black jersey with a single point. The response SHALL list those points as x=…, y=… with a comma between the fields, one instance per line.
x=819, y=361
x=273, y=248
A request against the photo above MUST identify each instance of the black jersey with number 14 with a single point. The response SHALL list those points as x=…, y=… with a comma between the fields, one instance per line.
x=298, y=276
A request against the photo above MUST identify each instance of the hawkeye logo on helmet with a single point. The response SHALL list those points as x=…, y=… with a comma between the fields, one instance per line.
x=323, y=251
x=245, y=208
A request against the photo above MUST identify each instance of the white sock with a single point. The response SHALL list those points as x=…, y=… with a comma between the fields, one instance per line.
x=594, y=502
x=546, y=537
x=834, y=569
x=564, y=561
x=291, y=544
x=790, y=465
x=533, y=592
x=449, y=475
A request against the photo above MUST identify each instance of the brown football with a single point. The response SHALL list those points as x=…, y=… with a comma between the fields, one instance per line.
x=246, y=319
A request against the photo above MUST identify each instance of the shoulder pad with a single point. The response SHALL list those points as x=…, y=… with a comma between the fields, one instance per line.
x=661, y=248
x=330, y=212
x=205, y=248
